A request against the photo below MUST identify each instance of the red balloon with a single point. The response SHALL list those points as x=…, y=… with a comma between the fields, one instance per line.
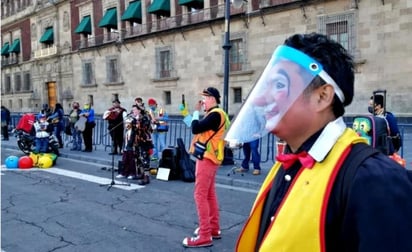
x=25, y=162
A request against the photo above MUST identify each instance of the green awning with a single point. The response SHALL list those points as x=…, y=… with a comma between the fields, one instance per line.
x=160, y=7
x=85, y=26
x=48, y=36
x=133, y=13
x=110, y=19
x=5, y=49
x=196, y=4
x=15, y=47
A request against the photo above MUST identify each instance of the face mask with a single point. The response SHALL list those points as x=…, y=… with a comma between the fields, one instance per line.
x=370, y=109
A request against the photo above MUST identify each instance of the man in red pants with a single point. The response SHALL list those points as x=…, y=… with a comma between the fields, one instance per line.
x=208, y=131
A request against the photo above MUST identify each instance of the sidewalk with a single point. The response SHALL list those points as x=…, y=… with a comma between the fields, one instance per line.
x=99, y=155
x=225, y=175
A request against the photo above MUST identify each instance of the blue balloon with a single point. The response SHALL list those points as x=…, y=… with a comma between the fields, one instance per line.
x=12, y=162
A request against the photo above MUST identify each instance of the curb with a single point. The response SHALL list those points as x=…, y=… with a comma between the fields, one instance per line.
x=220, y=179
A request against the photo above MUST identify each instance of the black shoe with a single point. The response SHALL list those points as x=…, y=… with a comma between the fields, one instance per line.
x=113, y=153
x=144, y=181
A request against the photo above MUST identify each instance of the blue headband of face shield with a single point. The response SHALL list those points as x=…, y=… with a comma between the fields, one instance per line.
x=285, y=77
x=308, y=63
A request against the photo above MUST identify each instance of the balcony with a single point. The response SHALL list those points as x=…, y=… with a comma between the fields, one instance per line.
x=92, y=41
x=9, y=61
x=49, y=51
x=188, y=18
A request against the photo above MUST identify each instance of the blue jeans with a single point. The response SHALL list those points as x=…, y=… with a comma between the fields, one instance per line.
x=77, y=139
x=159, y=142
x=248, y=149
x=57, y=131
x=42, y=144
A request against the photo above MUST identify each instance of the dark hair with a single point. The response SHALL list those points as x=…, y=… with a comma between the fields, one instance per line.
x=335, y=60
x=58, y=106
x=378, y=99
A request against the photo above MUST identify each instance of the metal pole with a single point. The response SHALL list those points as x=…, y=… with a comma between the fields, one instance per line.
x=226, y=47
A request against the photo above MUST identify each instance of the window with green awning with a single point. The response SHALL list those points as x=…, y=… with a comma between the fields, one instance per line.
x=15, y=47
x=196, y=4
x=85, y=26
x=109, y=19
x=48, y=36
x=5, y=49
x=160, y=7
x=133, y=12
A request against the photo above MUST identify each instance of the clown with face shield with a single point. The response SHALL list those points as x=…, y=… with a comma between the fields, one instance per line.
x=284, y=79
x=302, y=204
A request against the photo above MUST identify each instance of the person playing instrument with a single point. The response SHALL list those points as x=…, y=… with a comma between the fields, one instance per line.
x=128, y=156
x=115, y=116
x=160, y=127
x=139, y=102
x=144, y=146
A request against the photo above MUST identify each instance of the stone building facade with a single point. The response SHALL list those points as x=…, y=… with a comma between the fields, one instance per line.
x=97, y=50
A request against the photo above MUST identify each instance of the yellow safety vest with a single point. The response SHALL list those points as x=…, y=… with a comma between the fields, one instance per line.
x=215, y=146
x=299, y=224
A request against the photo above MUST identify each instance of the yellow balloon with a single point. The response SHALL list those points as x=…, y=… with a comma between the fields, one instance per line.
x=35, y=158
x=45, y=162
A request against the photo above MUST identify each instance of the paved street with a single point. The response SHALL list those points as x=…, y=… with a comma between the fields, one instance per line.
x=46, y=211
x=69, y=207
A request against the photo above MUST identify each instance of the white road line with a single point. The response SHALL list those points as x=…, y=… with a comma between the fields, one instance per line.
x=236, y=188
x=81, y=176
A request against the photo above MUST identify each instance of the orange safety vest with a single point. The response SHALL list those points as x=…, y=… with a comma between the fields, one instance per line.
x=216, y=144
x=299, y=223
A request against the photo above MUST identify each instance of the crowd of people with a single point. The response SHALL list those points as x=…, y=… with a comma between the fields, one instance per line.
x=139, y=136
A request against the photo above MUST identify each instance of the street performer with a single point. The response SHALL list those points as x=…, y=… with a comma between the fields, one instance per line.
x=209, y=132
x=330, y=191
x=115, y=116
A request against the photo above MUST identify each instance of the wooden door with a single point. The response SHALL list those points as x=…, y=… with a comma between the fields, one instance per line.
x=52, y=94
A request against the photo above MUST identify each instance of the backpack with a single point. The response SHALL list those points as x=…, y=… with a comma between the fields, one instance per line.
x=394, y=137
x=26, y=123
x=375, y=130
x=186, y=164
x=169, y=160
x=228, y=159
x=359, y=153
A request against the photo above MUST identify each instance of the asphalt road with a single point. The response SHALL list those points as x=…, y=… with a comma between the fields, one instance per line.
x=71, y=208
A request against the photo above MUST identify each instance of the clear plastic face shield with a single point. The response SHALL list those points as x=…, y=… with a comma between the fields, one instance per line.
x=284, y=79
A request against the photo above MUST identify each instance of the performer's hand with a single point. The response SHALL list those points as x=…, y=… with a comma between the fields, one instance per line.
x=198, y=105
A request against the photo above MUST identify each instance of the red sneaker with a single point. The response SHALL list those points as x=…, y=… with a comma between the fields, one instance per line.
x=197, y=242
x=216, y=234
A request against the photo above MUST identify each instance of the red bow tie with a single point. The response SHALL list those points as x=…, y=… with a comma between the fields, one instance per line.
x=289, y=159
